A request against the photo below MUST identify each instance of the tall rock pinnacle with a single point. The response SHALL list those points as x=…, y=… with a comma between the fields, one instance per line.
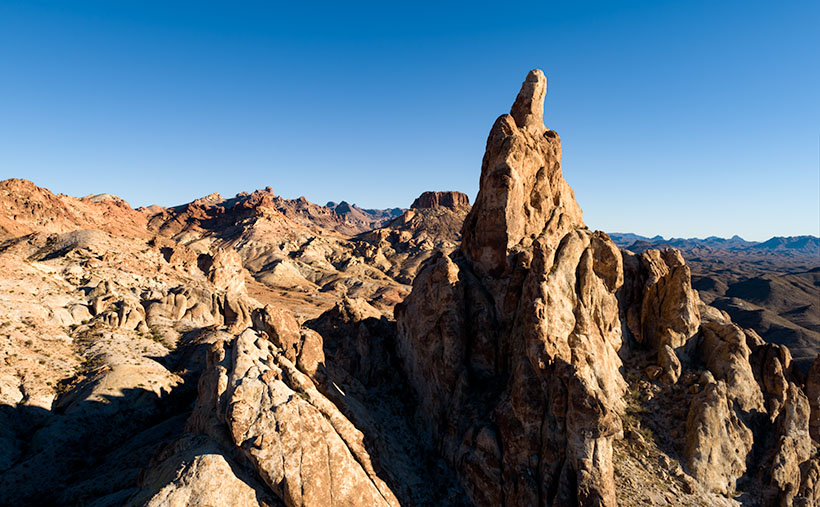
x=523, y=195
x=528, y=109
x=511, y=344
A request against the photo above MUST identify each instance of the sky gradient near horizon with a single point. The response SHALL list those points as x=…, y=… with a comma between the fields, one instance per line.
x=677, y=118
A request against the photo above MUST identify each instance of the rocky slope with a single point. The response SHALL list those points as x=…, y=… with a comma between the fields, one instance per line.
x=312, y=255
x=27, y=208
x=262, y=351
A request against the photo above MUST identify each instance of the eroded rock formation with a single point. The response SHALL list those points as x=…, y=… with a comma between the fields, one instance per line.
x=533, y=363
x=451, y=200
x=514, y=345
x=511, y=343
x=253, y=399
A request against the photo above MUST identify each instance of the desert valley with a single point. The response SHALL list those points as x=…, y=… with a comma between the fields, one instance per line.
x=255, y=350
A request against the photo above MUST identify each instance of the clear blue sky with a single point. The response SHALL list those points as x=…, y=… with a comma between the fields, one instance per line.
x=677, y=118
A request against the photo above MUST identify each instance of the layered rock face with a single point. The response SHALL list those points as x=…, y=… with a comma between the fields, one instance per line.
x=511, y=343
x=451, y=200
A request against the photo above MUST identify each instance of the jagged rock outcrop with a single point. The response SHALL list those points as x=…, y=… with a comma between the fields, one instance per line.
x=514, y=345
x=659, y=306
x=666, y=309
x=302, y=347
x=195, y=471
x=256, y=403
x=26, y=208
x=358, y=339
x=511, y=343
x=433, y=223
x=717, y=441
x=523, y=195
x=139, y=369
x=747, y=414
x=451, y=200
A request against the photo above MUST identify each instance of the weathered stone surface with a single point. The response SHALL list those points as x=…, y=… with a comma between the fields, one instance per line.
x=224, y=270
x=813, y=394
x=772, y=365
x=195, y=471
x=281, y=328
x=302, y=347
x=528, y=108
x=295, y=439
x=791, y=449
x=670, y=364
x=358, y=339
x=573, y=334
x=659, y=305
x=724, y=350
x=717, y=442
x=522, y=193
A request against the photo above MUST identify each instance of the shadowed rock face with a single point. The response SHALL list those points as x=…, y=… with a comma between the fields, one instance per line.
x=511, y=343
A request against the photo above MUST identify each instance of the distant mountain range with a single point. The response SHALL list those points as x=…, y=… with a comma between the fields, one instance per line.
x=791, y=245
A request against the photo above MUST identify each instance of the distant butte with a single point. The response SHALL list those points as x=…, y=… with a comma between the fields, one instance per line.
x=451, y=200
